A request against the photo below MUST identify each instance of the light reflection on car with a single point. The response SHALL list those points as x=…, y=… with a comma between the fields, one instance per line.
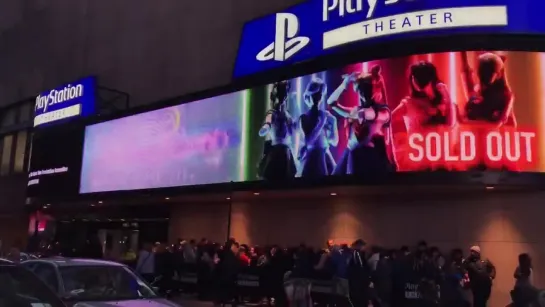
x=84, y=282
x=19, y=287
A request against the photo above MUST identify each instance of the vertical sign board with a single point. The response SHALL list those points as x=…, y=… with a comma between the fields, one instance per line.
x=320, y=27
x=75, y=99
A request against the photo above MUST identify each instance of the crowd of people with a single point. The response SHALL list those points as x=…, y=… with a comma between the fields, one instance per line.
x=360, y=275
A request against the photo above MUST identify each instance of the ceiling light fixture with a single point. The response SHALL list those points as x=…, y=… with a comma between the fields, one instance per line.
x=167, y=198
x=333, y=194
x=256, y=194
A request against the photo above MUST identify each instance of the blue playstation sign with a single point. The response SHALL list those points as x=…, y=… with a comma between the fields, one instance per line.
x=71, y=100
x=319, y=27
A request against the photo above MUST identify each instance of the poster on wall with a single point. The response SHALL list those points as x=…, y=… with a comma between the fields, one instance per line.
x=453, y=111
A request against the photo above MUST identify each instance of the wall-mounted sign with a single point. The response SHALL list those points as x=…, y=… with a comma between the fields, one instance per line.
x=71, y=100
x=318, y=27
x=450, y=111
x=55, y=162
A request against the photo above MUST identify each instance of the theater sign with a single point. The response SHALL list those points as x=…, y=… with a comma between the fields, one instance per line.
x=70, y=100
x=319, y=27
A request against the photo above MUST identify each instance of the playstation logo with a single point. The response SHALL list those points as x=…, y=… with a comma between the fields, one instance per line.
x=286, y=42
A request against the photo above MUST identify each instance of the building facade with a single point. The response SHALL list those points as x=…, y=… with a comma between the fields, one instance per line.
x=160, y=50
x=152, y=50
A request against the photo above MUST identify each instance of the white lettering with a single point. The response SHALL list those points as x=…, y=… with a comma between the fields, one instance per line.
x=494, y=141
x=69, y=92
x=467, y=153
x=447, y=149
x=63, y=113
x=413, y=138
x=457, y=17
x=433, y=139
x=528, y=136
x=345, y=7
x=513, y=157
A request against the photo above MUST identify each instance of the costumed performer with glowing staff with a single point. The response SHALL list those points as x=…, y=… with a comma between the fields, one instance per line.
x=277, y=162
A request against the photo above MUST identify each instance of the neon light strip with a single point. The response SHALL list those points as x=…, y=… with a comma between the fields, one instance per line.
x=298, y=89
x=244, y=136
x=453, y=77
x=541, y=123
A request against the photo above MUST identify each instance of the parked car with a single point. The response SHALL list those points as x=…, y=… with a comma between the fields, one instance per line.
x=95, y=283
x=21, y=288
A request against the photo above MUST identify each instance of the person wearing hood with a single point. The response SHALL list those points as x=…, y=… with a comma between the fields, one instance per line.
x=481, y=274
x=359, y=275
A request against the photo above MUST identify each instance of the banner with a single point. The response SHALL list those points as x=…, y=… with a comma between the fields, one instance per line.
x=319, y=27
x=453, y=111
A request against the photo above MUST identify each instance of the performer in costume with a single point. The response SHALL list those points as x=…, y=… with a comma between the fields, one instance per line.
x=319, y=128
x=429, y=103
x=491, y=99
x=368, y=152
x=277, y=162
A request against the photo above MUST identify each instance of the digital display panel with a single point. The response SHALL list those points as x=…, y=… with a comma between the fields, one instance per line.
x=453, y=111
x=55, y=162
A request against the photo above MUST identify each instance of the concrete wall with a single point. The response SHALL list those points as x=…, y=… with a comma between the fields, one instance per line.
x=503, y=225
x=150, y=49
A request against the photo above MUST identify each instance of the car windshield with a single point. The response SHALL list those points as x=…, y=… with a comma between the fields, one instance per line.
x=20, y=288
x=103, y=283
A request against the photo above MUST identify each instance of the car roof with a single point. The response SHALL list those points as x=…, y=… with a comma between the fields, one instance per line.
x=67, y=262
x=6, y=262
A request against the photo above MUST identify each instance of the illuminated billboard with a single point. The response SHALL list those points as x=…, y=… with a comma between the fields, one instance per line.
x=65, y=102
x=315, y=28
x=453, y=111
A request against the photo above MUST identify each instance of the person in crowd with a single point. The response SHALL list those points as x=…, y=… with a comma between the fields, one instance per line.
x=302, y=264
x=382, y=280
x=14, y=254
x=164, y=264
x=205, y=271
x=243, y=255
x=436, y=258
x=228, y=269
x=275, y=276
x=190, y=253
x=92, y=248
x=145, y=265
x=374, y=258
x=481, y=275
x=359, y=276
x=524, y=293
x=454, y=289
x=419, y=278
x=405, y=251
x=324, y=266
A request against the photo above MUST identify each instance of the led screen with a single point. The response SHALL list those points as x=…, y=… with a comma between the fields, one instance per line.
x=55, y=162
x=454, y=111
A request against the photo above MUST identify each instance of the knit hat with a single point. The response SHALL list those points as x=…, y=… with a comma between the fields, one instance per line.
x=475, y=248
